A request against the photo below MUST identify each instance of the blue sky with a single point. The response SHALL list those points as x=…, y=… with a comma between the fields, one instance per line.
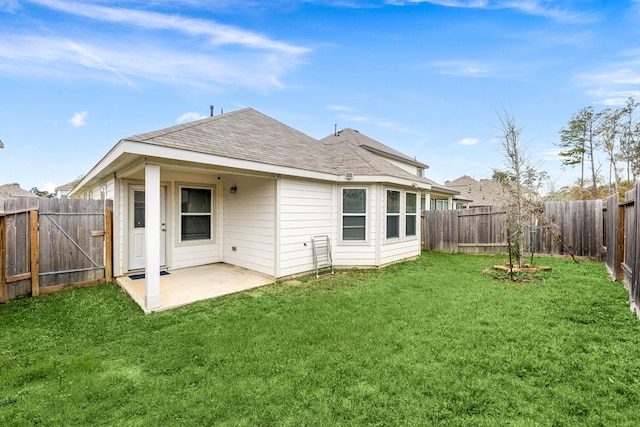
x=425, y=77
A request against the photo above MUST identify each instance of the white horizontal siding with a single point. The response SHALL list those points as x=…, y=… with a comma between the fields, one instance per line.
x=191, y=256
x=306, y=210
x=392, y=252
x=249, y=223
x=353, y=256
x=412, y=169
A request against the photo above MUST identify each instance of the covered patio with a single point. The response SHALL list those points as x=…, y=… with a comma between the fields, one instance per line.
x=185, y=286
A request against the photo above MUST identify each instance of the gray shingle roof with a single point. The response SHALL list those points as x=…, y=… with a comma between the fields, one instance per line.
x=353, y=149
x=485, y=192
x=246, y=135
x=68, y=185
x=13, y=190
x=250, y=135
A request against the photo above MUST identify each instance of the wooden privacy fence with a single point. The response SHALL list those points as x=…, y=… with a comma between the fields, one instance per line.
x=47, y=245
x=622, y=225
x=482, y=230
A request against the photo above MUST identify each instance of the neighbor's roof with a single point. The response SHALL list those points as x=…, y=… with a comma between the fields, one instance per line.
x=68, y=186
x=8, y=191
x=485, y=192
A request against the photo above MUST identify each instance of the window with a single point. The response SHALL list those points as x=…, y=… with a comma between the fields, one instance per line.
x=138, y=209
x=393, y=214
x=354, y=214
x=410, y=214
x=439, y=205
x=195, y=214
x=420, y=172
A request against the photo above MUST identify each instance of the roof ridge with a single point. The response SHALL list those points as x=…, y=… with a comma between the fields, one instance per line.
x=183, y=126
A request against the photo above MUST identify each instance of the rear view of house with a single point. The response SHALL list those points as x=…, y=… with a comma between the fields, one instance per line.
x=244, y=189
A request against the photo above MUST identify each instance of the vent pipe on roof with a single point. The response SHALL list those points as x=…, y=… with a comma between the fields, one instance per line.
x=335, y=130
x=211, y=107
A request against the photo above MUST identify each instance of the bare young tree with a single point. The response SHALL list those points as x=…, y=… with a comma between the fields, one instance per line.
x=519, y=177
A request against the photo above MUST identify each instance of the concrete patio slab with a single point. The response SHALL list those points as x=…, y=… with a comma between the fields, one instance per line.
x=188, y=285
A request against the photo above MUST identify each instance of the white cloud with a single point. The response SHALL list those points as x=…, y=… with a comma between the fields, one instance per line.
x=615, y=83
x=218, y=55
x=461, y=68
x=543, y=8
x=217, y=34
x=468, y=141
x=66, y=59
x=189, y=117
x=382, y=123
x=49, y=186
x=9, y=5
x=551, y=154
x=79, y=119
x=626, y=76
x=338, y=108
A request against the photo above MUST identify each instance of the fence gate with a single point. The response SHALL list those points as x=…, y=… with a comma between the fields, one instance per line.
x=56, y=244
x=72, y=237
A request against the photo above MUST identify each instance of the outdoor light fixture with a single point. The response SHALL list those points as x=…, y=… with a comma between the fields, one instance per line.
x=233, y=189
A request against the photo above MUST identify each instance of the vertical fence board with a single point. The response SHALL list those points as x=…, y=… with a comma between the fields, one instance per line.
x=3, y=256
x=632, y=239
x=481, y=230
x=49, y=244
x=614, y=236
x=34, y=242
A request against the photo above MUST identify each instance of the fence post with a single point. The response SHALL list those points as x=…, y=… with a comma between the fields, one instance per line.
x=3, y=259
x=108, y=244
x=34, y=234
x=619, y=273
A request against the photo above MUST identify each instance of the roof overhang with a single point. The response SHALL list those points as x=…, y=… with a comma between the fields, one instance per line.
x=128, y=157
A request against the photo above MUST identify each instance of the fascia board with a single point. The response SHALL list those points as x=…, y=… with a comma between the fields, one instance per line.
x=158, y=152
x=387, y=180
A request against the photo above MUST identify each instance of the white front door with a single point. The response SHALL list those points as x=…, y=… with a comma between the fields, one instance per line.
x=137, y=250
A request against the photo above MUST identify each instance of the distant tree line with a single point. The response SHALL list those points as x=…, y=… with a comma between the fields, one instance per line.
x=609, y=134
x=42, y=193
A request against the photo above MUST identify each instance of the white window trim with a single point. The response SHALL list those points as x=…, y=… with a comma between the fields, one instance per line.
x=403, y=217
x=211, y=215
x=415, y=214
x=398, y=214
x=366, y=217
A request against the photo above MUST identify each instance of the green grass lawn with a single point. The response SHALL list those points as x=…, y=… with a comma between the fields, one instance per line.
x=427, y=342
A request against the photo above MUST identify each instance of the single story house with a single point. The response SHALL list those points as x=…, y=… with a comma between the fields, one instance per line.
x=244, y=189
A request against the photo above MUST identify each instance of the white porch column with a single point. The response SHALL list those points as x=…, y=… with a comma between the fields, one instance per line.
x=152, y=236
